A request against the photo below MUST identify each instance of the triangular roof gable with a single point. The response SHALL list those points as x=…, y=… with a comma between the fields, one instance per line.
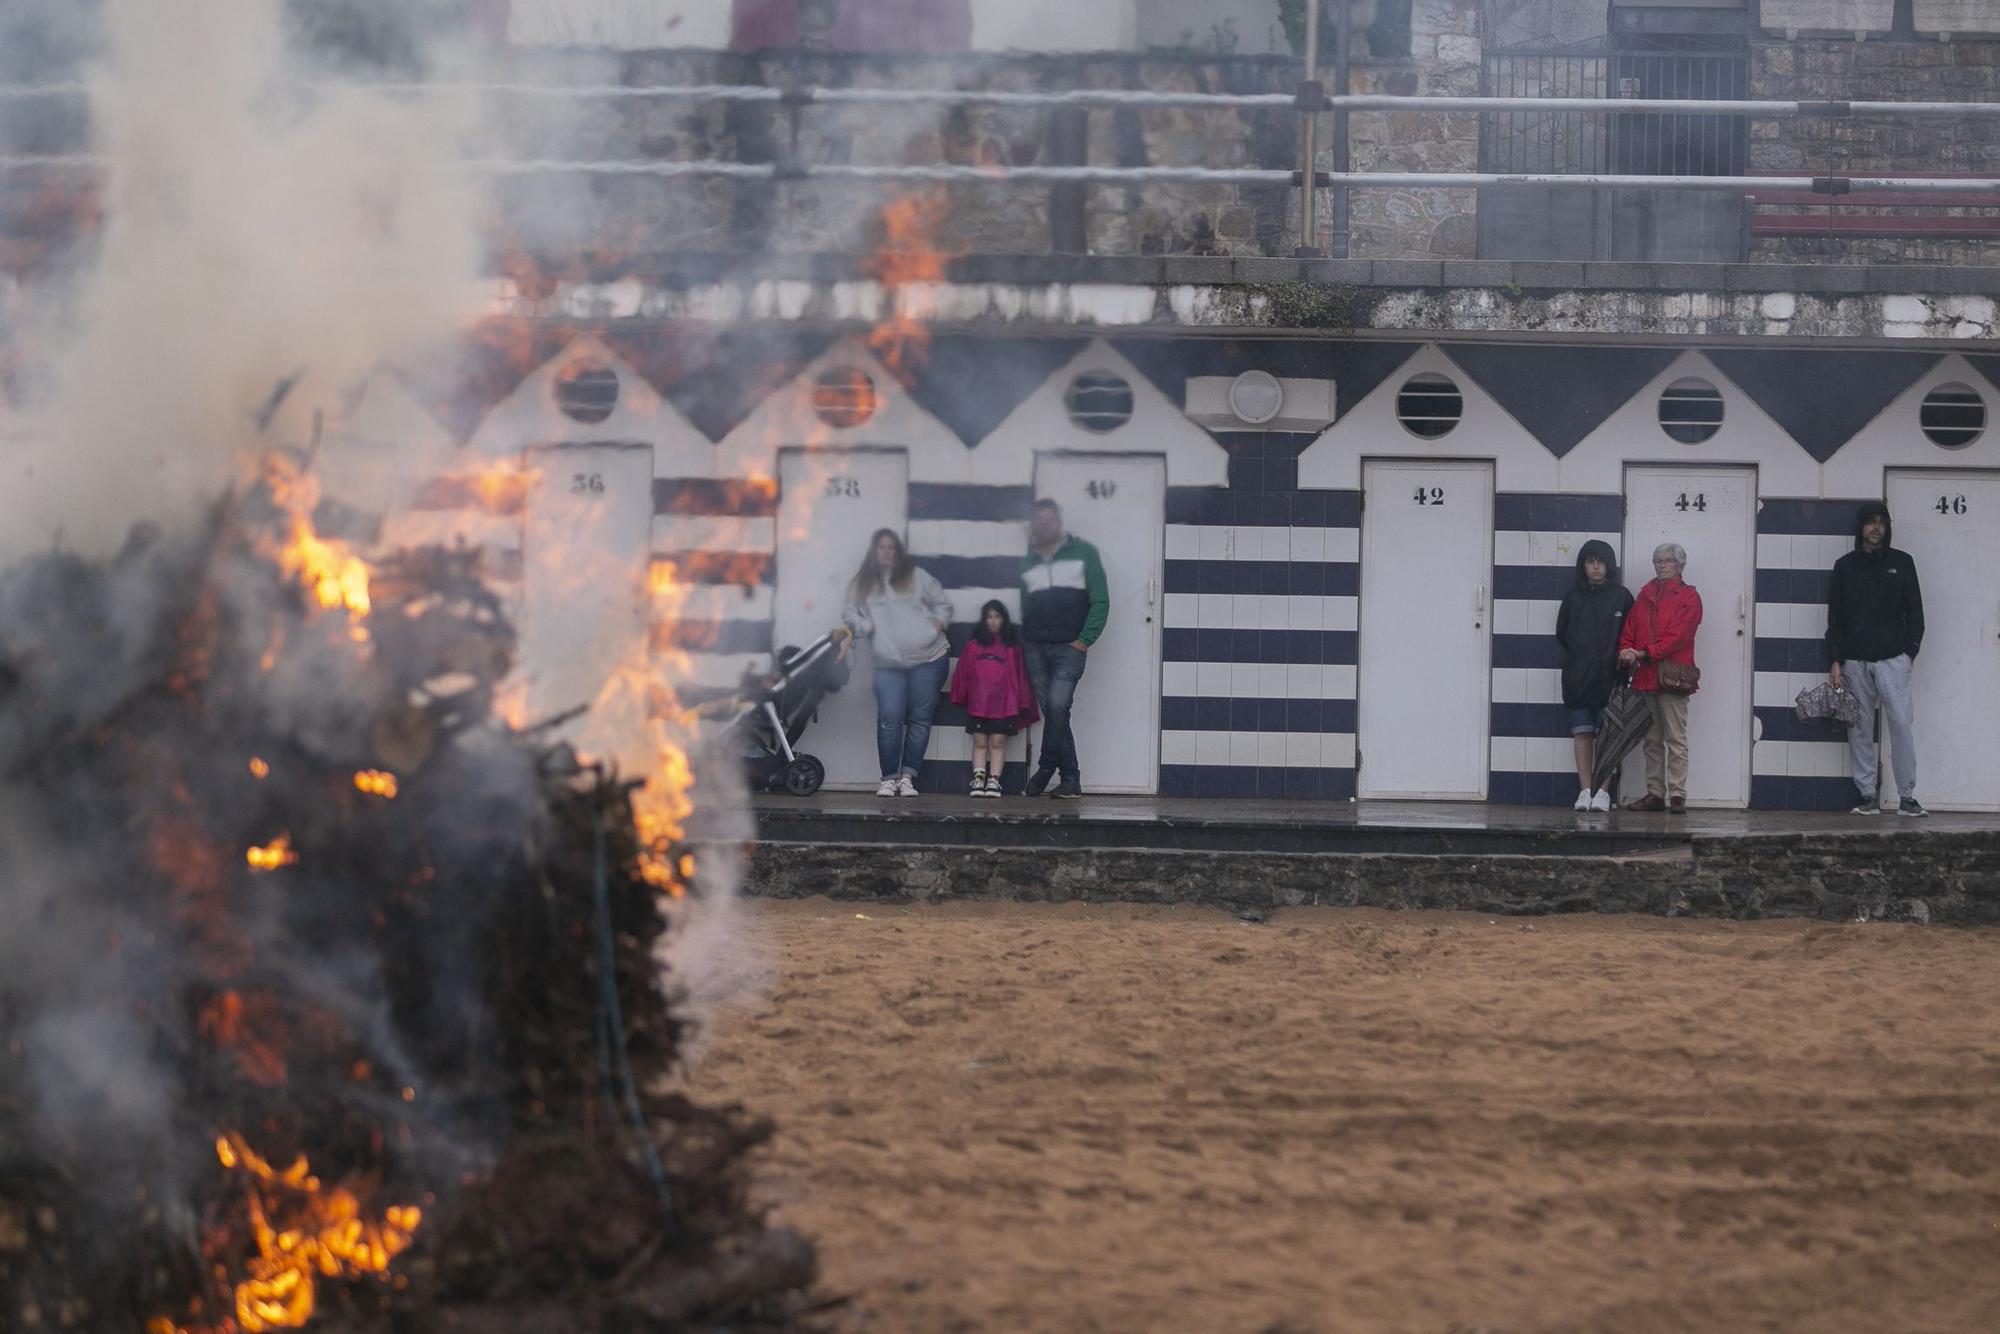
x=1560, y=394
x=786, y=420
x=1895, y=438
x=1821, y=397
x=530, y=415
x=1633, y=434
x=1042, y=422
x=1988, y=367
x=973, y=383
x=717, y=377
x=385, y=413
x=1371, y=430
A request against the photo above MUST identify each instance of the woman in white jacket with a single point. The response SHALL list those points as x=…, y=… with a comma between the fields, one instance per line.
x=903, y=612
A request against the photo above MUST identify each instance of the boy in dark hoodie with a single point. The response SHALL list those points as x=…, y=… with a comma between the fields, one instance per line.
x=1874, y=627
x=1587, y=627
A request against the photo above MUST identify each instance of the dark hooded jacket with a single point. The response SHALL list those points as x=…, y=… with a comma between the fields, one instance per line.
x=1587, y=627
x=1874, y=608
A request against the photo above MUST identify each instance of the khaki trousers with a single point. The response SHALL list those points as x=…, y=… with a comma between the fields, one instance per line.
x=1667, y=746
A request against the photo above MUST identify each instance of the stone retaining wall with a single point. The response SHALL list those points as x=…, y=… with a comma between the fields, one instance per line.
x=1877, y=71
x=1951, y=879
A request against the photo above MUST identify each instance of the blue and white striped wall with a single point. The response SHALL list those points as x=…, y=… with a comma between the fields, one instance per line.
x=1261, y=578
x=1259, y=643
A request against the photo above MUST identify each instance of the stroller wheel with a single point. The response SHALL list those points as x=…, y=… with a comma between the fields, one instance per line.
x=804, y=775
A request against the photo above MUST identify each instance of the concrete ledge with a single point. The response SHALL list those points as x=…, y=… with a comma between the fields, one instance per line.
x=1067, y=295
x=1948, y=879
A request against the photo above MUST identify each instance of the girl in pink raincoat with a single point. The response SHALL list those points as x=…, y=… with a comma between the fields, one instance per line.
x=991, y=683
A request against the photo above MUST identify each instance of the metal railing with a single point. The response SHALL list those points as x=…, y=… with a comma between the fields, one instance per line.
x=1681, y=127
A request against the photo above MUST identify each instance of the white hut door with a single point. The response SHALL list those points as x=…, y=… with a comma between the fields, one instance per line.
x=830, y=502
x=1713, y=513
x=1117, y=503
x=1949, y=522
x=1423, y=712
x=586, y=542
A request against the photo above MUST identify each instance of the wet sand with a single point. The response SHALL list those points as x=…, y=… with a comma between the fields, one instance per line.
x=1025, y=1117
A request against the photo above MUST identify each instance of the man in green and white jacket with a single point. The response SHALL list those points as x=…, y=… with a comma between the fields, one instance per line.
x=1064, y=604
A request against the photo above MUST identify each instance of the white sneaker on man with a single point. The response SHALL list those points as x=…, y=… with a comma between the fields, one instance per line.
x=905, y=788
x=1583, y=800
x=1602, y=801
x=888, y=788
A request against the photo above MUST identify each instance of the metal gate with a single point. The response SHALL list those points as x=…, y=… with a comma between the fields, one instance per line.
x=1580, y=143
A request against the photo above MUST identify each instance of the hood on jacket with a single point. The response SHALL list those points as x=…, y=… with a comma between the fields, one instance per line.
x=1874, y=509
x=1601, y=549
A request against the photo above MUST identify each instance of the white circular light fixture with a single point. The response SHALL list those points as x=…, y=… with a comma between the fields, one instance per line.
x=1256, y=397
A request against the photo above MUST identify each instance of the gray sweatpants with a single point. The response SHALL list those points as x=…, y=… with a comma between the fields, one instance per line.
x=1886, y=683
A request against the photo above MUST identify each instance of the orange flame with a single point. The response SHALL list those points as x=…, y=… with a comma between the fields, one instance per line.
x=319, y=1233
x=335, y=576
x=278, y=852
x=376, y=783
x=259, y=769
x=501, y=486
x=908, y=257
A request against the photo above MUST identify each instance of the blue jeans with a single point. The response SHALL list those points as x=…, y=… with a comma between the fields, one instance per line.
x=905, y=699
x=1053, y=671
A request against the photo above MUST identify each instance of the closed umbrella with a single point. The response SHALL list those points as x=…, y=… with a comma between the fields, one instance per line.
x=1628, y=716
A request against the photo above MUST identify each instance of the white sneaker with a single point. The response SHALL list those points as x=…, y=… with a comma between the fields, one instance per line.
x=1602, y=801
x=993, y=785
x=978, y=788
x=1583, y=800
x=888, y=788
x=905, y=788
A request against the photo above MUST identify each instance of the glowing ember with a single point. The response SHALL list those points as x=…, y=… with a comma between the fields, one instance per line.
x=258, y=769
x=376, y=783
x=278, y=852
x=304, y=1232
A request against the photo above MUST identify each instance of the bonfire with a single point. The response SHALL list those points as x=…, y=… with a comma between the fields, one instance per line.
x=327, y=998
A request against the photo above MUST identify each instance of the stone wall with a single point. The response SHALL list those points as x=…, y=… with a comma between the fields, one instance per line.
x=645, y=215
x=1889, y=71
x=1411, y=224
x=1945, y=878
x=624, y=215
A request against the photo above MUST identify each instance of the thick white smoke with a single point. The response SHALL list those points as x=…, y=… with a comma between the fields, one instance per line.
x=259, y=221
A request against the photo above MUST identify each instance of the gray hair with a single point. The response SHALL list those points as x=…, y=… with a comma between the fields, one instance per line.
x=1675, y=550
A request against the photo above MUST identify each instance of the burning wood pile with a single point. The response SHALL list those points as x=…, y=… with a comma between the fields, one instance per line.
x=325, y=995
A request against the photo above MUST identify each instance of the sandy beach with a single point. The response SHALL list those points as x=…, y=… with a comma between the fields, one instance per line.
x=1076, y=1117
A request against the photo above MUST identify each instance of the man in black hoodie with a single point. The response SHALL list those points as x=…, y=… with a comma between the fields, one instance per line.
x=1874, y=627
x=1587, y=627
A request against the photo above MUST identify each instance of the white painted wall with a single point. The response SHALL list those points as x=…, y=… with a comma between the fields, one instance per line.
x=1748, y=436
x=1970, y=17
x=1827, y=15
x=621, y=25
x=1240, y=27
x=1006, y=457
x=1054, y=25
x=1371, y=431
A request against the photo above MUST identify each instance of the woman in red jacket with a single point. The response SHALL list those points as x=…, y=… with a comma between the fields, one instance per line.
x=1660, y=630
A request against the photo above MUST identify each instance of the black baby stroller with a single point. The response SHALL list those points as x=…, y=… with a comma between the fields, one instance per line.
x=775, y=707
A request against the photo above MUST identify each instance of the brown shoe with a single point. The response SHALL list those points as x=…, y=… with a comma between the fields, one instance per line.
x=1649, y=802
x=1677, y=806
